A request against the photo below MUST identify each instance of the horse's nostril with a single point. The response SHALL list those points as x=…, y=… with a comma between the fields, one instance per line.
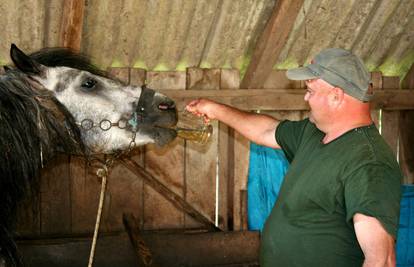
x=166, y=106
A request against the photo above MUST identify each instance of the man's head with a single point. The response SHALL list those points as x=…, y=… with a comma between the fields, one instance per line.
x=340, y=68
x=338, y=89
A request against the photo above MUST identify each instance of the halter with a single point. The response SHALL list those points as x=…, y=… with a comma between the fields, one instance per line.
x=136, y=119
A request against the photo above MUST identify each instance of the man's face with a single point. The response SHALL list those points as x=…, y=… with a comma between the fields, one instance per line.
x=317, y=97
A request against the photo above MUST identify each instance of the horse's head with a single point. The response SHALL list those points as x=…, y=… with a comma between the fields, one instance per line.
x=111, y=115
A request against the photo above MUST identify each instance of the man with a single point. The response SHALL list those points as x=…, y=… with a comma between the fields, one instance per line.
x=339, y=203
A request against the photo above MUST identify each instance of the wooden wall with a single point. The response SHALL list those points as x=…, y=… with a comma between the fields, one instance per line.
x=197, y=174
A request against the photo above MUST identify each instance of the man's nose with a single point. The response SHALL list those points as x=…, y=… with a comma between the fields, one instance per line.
x=306, y=97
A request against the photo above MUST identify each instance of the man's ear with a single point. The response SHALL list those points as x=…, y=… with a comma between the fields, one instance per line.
x=24, y=63
x=336, y=97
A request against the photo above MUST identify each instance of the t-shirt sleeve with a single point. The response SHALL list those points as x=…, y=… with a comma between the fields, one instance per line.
x=374, y=190
x=288, y=135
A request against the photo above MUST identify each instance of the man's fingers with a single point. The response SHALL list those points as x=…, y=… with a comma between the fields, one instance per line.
x=206, y=119
x=192, y=106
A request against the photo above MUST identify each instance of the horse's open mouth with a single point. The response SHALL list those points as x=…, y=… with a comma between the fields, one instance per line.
x=163, y=136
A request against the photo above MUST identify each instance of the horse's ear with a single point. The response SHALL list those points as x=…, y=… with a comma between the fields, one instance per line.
x=7, y=68
x=23, y=62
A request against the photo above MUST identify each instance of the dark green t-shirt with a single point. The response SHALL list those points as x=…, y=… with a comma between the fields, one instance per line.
x=326, y=184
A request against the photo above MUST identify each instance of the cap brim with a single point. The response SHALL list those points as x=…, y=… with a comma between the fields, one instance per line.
x=301, y=74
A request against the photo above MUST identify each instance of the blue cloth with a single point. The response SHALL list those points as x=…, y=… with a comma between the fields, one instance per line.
x=266, y=171
x=405, y=238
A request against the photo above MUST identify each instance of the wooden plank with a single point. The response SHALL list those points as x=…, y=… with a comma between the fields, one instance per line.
x=168, y=194
x=123, y=195
x=123, y=74
x=55, y=206
x=407, y=132
x=271, y=42
x=230, y=79
x=390, y=127
x=376, y=81
x=171, y=80
x=284, y=99
x=85, y=188
x=137, y=76
x=28, y=217
x=166, y=164
x=201, y=160
x=243, y=209
x=390, y=82
x=203, y=79
x=241, y=168
x=278, y=79
x=72, y=24
x=169, y=249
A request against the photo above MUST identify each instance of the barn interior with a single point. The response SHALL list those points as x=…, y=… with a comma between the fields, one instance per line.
x=185, y=204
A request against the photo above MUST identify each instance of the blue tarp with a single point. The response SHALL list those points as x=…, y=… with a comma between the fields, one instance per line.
x=405, y=239
x=266, y=171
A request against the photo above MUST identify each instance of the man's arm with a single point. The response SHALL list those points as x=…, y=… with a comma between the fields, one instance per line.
x=376, y=243
x=255, y=127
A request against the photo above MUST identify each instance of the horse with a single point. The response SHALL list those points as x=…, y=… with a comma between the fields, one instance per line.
x=55, y=100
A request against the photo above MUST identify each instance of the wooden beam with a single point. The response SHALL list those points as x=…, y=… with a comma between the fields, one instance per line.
x=284, y=99
x=271, y=42
x=239, y=248
x=72, y=24
x=169, y=195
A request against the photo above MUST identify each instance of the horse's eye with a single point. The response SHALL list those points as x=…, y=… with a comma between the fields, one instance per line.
x=88, y=84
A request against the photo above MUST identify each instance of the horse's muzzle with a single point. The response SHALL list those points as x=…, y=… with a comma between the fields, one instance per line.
x=156, y=110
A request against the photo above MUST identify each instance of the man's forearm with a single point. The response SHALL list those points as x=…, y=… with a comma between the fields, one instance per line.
x=258, y=128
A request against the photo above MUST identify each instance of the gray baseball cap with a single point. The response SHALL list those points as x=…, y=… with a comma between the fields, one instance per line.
x=340, y=68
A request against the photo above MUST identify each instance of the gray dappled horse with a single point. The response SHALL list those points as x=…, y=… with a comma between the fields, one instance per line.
x=55, y=101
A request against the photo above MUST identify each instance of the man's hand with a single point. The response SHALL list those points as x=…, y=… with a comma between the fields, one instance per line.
x=255, y=127
x=376, y=243
x=202, y=107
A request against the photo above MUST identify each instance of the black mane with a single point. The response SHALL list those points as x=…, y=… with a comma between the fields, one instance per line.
x=54, y=57
x=34, y=126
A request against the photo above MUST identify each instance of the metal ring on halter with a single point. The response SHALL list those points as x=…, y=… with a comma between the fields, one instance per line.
x=122, y=123
x=107, y=126
x=87, y=124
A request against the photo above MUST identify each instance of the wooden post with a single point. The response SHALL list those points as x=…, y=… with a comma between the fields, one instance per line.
x=72, y=24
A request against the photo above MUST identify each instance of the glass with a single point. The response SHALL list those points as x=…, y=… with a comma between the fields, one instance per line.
x=193, y=128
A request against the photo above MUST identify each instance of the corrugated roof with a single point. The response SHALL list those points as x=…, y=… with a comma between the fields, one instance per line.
x=175, y=34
